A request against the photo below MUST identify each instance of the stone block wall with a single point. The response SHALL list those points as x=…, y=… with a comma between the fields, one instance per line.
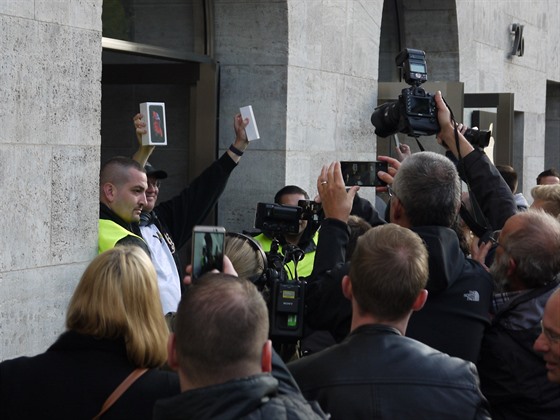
x=309, y=68
x=50, y=76
x=486, y=65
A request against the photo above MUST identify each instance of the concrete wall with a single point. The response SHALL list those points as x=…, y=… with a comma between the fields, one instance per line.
x=49, y=163
x=485, y=41
x=309, y=68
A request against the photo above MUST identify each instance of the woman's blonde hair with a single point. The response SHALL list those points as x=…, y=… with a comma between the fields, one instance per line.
x=117, y=297
x=246, y=255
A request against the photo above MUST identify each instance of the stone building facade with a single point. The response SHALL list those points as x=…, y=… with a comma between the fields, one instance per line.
x=311, y=69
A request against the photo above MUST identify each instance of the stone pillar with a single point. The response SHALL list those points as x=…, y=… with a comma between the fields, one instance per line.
x=49, y=163
x=309, y=69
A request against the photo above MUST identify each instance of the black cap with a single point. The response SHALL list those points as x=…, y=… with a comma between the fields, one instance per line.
x=151, y=171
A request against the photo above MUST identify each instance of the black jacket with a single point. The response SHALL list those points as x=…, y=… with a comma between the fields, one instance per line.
x=459, y=297
x=513, y=376
x=458, y=306
x=177, y=217
x=377, y=373
x=74, y=377
x=264, y=396
x=494, y=196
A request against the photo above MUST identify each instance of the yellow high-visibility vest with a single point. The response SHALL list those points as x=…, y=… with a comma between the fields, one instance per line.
x=304, y=267
x=110, y=233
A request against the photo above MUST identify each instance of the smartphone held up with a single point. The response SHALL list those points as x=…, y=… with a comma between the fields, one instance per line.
x=363, y=174
x=207, y=250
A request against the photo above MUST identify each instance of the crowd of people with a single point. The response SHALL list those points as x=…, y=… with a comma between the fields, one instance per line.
x=408, y=314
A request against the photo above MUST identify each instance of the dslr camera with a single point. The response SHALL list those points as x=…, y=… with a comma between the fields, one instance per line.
x=415, y=112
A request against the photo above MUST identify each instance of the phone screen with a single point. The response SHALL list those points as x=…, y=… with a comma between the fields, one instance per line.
x=207, y=250
x=363, y=173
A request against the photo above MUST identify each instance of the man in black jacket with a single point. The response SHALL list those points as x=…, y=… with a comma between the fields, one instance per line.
x=425, y=198
x=167, y=226
x=512, y=376
x=227, y=368
x=376, y=372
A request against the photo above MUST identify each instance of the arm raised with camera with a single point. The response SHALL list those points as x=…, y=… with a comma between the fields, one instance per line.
x=489, y=188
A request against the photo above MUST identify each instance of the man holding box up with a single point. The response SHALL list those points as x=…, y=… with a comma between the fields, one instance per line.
x=167, y=226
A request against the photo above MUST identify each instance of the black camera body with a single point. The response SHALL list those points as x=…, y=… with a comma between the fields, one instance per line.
x=276, y=218
x=415, y=112
x=478, y=138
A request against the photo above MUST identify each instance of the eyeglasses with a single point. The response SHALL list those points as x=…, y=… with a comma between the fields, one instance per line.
x=494, y=236
x=154, y=183
x=390, y=191
x=551, y=337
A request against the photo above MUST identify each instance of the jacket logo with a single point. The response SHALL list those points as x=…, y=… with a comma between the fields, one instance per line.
x=472, y=296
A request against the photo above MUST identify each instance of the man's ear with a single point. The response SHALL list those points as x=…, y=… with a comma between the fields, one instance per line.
x=266, y=359
x=109, y=190
x=420, y=300
x=396, y=210
x=512, y=267
x=347, y=287
x=172, y=359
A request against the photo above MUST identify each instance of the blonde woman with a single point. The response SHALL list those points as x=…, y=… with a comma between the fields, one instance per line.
x=114, y=326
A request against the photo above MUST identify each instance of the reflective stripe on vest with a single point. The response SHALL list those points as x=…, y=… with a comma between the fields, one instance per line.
x=110, y=233
x=304, y=267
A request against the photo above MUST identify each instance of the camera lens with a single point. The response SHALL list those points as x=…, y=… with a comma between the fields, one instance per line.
x=479, y=138
x=385, y=119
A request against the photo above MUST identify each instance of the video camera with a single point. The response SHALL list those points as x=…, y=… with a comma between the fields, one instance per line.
x=281, y=219
x=283, y=290
x=415, y=112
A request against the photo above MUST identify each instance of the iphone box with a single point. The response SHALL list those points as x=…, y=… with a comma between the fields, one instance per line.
x=251, y=129
x=154, y=117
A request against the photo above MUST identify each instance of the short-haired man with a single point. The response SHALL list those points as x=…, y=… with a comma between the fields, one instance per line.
x=426, y=198
x=548, y=342
x=525, y=269
x=548, y=177
x=376, y=372
x=122, y=196
x=222, y=353
x=305, y=238
x=547, y=197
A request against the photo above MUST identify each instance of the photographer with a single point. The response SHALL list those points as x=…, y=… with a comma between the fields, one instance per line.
x=305, y=238
x=486, y=184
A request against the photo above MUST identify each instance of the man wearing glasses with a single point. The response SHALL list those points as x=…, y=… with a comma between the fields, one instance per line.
x=548, y=342
x=513, y=375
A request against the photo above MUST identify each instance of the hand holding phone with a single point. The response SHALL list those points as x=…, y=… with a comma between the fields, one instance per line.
x=207, y=250
x=363, y=174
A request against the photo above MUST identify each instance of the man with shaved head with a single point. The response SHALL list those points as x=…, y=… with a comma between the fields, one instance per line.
x=122, y=196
